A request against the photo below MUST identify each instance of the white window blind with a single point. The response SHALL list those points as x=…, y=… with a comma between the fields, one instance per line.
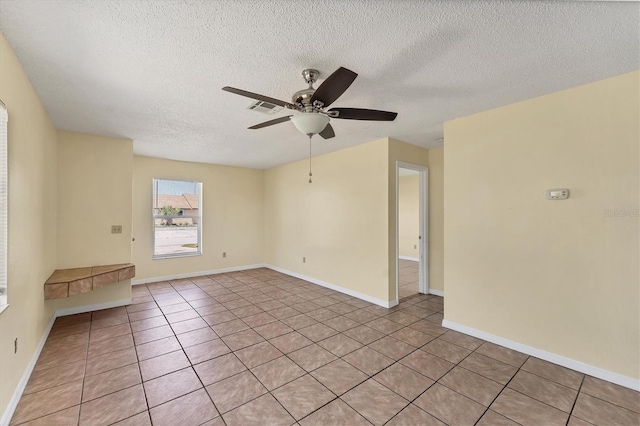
x=3, y=205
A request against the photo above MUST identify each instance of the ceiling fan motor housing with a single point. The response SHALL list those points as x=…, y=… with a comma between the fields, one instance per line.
x=303, y=97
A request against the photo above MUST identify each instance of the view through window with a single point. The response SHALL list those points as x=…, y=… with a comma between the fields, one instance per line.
x=177, y=214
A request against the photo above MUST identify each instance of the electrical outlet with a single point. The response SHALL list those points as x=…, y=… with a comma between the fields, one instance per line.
x=415, y=246
x=304, y=260
x=224, y=254
x=15, y=346
x=116, y=229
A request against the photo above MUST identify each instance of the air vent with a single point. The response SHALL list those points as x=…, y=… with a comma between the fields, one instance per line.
x=265, y=107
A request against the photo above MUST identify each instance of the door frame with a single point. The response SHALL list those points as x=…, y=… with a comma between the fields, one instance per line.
x=423, y=242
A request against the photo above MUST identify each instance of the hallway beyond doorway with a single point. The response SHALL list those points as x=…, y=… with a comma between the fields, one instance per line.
x=408, y=278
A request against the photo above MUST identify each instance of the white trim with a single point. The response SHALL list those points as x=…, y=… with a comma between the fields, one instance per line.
x=353, y=293
x=90, y=308
x=4, y=201
x=436, y=292
x=195, y=274
x=609, y=376
x=423, y=269
x=17, y=394
x=414, y=259
x=347, y=291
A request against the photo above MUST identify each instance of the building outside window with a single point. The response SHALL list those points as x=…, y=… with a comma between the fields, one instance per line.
x=177, y=218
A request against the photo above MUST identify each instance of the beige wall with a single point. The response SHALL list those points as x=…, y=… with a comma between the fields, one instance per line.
x=336, y=221
x=339, y=222
x=398, y=151
x=561, y=276
x=232, y=216
x=436, y=219
x=32, y=221
x=67, y=189
x=94, y=192
x=409, y=215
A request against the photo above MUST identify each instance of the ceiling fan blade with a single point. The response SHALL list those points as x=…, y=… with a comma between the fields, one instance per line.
x=364, y=114
x=271, y=122
x=328, y=132
x=259, y=97
x=334, y=86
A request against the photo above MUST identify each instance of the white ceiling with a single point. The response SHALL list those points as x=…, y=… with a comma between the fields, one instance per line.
x=152, y=71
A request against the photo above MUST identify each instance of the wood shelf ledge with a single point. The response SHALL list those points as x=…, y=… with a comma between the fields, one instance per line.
x=70, y=282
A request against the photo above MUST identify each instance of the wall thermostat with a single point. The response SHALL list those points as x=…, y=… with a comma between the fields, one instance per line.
x=557, y=194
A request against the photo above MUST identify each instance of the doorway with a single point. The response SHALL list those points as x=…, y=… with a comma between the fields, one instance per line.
x=411, y=231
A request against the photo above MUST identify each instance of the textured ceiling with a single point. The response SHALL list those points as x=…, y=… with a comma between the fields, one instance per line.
x=152, y=70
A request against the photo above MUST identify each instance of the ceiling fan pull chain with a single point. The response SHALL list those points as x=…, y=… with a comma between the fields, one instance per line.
x=310, y=174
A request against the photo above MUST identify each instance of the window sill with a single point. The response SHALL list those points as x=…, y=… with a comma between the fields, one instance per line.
x=3, y=307
x=173, y=256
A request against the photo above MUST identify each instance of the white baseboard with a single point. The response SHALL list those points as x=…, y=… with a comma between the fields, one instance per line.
x=414, y=259
x=195, y=274
x=436, y=292
x=600, y=373
x=359, y=295
x=347, y=291
x=17, y=394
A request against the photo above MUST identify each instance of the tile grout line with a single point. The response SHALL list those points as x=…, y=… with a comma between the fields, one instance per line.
x=313, y=342
x=505, y=386
x=575, y=401
x=307, y=373
x=369, y=377
x=498, y=395
x=181, y=349
x=84, y=373
x=398, y=362
x=204, y=388
x=232, y=352
x=185, y=355
x=287, y=286
x=128, y=387
x=269, y=392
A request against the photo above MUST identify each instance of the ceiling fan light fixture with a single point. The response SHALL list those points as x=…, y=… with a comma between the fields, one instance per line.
x=310, y=123
x=310, y=104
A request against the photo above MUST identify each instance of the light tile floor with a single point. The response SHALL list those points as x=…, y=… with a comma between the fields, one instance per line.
x=261, y=348
x=408, y=278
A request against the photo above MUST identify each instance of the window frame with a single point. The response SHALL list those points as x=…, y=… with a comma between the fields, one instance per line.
x=155, y=216
x=4, y=207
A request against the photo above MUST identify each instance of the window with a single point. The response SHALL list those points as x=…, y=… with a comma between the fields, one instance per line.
x=3, y=206
x=177, y=214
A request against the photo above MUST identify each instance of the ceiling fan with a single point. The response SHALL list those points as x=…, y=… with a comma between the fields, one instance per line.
x=312, y=104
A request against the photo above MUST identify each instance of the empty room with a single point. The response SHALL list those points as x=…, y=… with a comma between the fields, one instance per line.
x=329, y=212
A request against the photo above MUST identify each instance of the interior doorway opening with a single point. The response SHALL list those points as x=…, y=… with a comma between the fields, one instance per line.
x=411, y=231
